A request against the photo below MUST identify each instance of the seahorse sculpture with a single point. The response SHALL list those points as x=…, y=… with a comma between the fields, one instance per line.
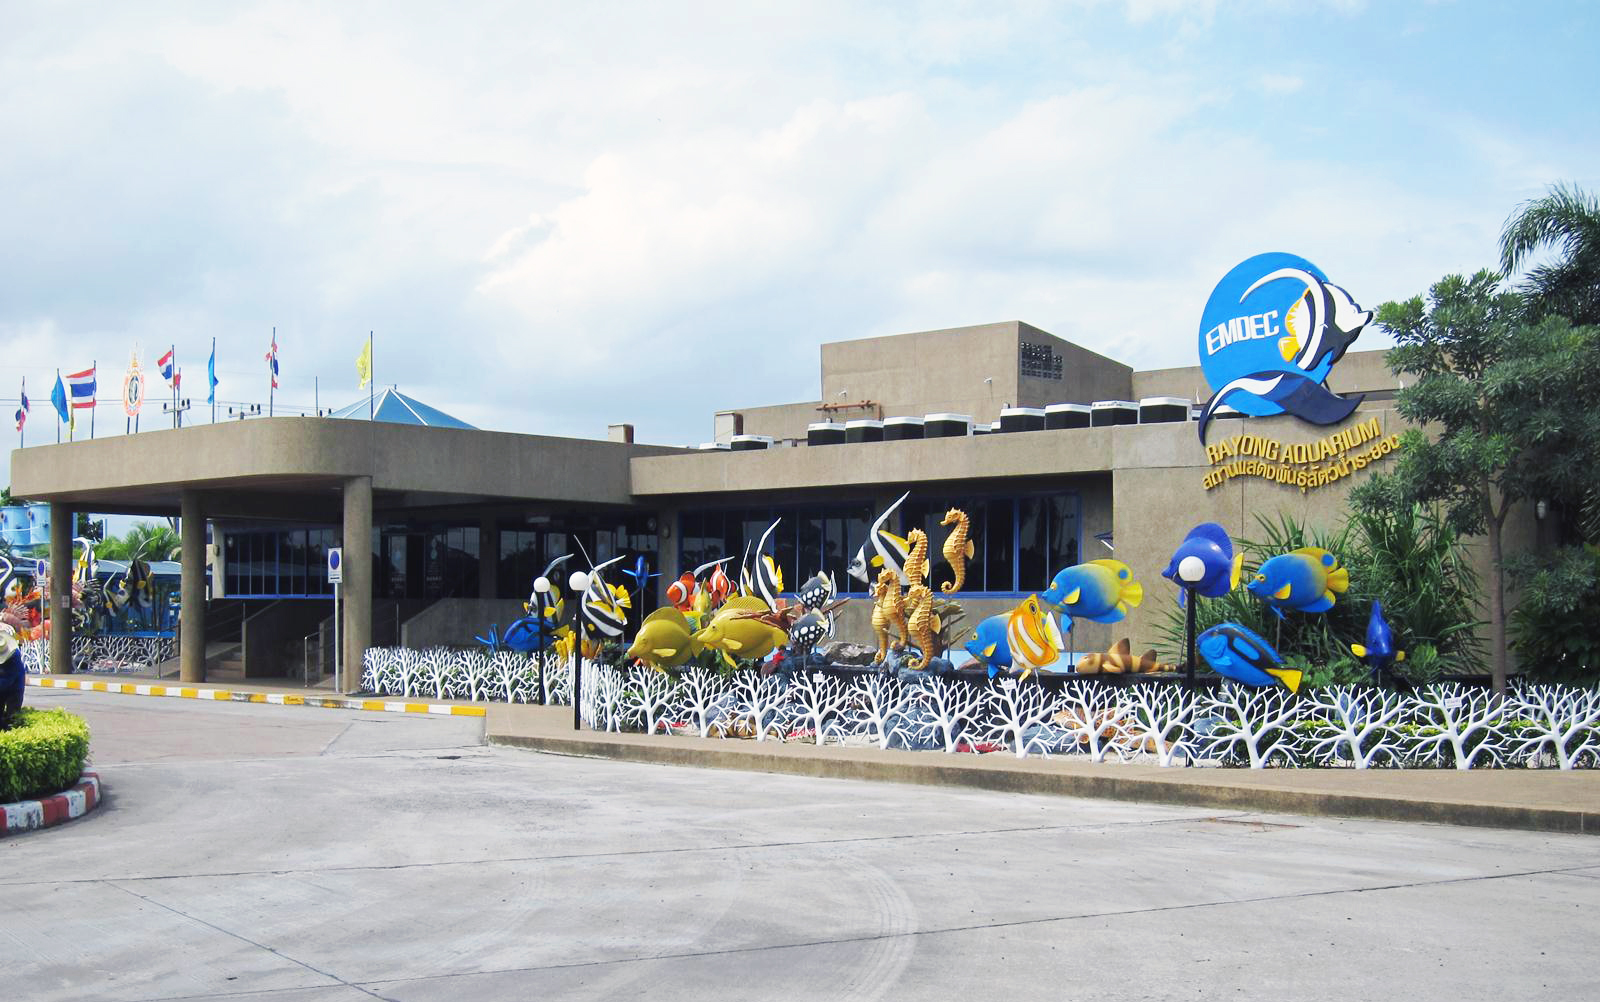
x=921, y=623
x=958, y=549
x=916, y=568
x=888, y=612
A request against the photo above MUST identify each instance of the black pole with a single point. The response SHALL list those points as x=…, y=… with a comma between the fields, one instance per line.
x=577, y=660
x=1188, y=627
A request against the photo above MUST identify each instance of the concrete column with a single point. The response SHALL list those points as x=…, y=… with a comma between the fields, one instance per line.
x=488, y=557
x=61, y=520
x=356, y=592
x=192, y=589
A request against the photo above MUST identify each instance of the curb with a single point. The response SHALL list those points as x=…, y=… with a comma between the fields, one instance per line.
x=274, y=698
x=1098, y=786
x=28, y=815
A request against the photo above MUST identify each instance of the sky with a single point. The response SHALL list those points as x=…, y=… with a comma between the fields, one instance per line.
x=559, y=216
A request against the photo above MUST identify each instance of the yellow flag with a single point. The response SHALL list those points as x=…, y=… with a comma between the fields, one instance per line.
x=364, y=363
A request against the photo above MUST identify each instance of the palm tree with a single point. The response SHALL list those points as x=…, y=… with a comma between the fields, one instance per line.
x=145, y=541
x=1567, y=220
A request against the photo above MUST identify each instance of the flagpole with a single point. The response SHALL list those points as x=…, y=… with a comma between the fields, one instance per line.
x=272, y=390
x=177, y=415
x=94, y=367
x=372, y=383
x=58, y=413
x=316, y=394
x=211, y=389
x=22, y=427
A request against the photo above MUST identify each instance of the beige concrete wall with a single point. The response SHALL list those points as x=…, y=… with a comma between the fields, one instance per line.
x=289, y=453
x=780, y=421
x=1019, y=454
x=963, y=370
x=1357, y=372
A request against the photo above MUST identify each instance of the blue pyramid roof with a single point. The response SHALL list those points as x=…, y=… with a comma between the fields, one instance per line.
x=393, y=406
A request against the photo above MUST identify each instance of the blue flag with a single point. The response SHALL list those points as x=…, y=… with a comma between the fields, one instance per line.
x=58, y=397
x=211, y=374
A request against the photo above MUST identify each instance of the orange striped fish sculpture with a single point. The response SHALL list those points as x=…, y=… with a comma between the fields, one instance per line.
x=1034, y=637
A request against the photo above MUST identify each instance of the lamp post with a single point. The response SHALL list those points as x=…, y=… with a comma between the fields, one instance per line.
x=1191, y=570
x=541, y=588
x=578, y=583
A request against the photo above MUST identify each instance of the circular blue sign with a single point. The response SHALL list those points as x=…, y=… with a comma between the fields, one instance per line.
x=1272, y=330
x=333, y=560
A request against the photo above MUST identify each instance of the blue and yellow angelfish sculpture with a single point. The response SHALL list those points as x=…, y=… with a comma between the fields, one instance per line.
x=1101, y=591
x=1304, y=580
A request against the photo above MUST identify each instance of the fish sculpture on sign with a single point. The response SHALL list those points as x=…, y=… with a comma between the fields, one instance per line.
x=1238, y=653
x=1378, y=653
x=1304, y=580
x=1101, y=591
x=1205, y=563
x=882, y=550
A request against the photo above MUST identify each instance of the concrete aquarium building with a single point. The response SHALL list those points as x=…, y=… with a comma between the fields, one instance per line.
x=1058, y=455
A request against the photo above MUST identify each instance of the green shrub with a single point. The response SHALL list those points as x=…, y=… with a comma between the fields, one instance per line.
x=1553, y=627
x=42, y=755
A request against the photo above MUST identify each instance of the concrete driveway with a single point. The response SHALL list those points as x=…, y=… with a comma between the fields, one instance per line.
x=309, y=855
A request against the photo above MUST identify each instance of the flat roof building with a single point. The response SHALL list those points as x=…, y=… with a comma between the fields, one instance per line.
x=1066, y=456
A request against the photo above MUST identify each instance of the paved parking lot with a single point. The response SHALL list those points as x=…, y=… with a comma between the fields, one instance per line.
x=308, y=855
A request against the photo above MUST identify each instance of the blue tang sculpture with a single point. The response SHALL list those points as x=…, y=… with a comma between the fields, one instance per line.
x=1235, y=652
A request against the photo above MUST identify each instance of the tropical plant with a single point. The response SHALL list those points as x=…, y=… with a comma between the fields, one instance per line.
x=1568, y=219
x=1507, y=412
x=1409, y=558
x=144, y=541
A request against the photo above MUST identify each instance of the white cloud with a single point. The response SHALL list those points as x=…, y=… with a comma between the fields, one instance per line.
x=563, y=216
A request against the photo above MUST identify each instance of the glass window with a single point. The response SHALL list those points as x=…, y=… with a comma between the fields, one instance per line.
x=999, y=569
x=1032, y=574
x=1064, y=541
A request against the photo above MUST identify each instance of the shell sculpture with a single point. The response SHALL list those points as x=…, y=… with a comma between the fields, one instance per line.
x=888, y=612
x=958, y=549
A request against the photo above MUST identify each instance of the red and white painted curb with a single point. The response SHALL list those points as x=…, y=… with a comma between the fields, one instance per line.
x=26, y=815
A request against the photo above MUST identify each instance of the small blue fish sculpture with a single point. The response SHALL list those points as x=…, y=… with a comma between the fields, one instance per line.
x=1238, y=653
x=1304, y=580
x=640, y=572
x=1207, y=556
x=1378, y=652
x=989, y=646
x=1100, y=591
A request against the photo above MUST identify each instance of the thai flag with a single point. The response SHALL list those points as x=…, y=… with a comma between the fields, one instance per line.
x=166, y=363
x=272, y=359
x=81, y=387
x=22, y=412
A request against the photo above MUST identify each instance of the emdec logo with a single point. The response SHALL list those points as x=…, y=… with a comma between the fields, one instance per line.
x=1272, y=329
